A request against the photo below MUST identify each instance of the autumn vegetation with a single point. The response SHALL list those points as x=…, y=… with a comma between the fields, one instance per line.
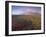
x=26, y=22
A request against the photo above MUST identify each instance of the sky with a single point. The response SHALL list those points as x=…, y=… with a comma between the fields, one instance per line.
x=21, y=10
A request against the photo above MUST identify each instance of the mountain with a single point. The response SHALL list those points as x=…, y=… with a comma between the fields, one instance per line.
x=31, y=13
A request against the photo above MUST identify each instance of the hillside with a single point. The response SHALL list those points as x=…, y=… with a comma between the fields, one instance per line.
x=22, y=19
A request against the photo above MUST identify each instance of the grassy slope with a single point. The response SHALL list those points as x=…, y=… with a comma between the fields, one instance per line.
x=36, y=19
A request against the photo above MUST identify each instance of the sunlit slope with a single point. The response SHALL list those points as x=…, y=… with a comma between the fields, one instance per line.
x=35, y=18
